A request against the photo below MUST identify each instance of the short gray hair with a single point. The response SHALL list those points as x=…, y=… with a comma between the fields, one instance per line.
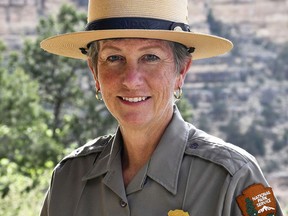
x=181, y=54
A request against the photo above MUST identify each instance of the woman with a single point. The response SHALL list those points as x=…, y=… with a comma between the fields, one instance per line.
x=137, y=78
x=156, y=163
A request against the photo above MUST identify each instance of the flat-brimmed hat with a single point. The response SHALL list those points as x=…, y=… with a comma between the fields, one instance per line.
x=154, y=19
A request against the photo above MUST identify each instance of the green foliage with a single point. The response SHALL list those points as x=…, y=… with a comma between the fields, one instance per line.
x=27, y=150
x=270, y=115
x=280, y=67
x=221, y=29
x=204, y=122
x=65, y=86
x=252, y=140
x=271, y=165
x=215, y=26
x=48, y=108
x=233, y=132
x=35, y=122
x=36, y=90
x=185, y=108
x=22, y=195
x=24, y=135
x=58, y=78
x=281, y=143
x=219, y=110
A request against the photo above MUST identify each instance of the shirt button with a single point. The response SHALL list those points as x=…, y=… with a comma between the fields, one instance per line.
x=123, y=204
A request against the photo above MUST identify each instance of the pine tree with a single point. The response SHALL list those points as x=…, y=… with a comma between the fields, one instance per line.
x=66, y=87
x=250, y=207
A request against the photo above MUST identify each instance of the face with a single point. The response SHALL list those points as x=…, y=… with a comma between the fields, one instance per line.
x=137, y=78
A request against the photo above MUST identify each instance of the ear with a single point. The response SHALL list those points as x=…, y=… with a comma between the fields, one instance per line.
x=94, y=73
x=181, y=76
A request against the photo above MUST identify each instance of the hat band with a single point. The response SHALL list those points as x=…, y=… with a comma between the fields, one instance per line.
x=136, y=23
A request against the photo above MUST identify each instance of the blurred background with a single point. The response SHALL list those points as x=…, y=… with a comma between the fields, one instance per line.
x=48, y=107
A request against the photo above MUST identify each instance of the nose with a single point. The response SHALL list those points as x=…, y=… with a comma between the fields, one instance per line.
x=132, y=76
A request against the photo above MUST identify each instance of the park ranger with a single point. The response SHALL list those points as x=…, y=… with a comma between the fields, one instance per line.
x=156, y=164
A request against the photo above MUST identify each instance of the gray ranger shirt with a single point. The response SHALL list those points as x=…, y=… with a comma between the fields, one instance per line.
x=189, y=170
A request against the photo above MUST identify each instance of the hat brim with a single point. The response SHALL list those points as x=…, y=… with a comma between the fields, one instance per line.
x=69, y=45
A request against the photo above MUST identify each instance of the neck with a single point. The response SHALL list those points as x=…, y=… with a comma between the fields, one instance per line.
x=139, y=145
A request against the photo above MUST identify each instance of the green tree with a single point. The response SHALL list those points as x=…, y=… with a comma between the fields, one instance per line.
x=250, y=209
x=24, y=135
x=252, y=140
x=185, y=108
x=270, y=115
x=215, y=26
x=66, y=89
x=27, y=150
x=219, y=110
x=222, y=29
x=281, y=143
x=204, y=122
x=19, y=195
x=233, y=133
x=280, y=67
x=57, y=75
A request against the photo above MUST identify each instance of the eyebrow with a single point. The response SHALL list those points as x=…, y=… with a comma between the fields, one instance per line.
x=148, y=47
x=151, y=47
x=111, y=46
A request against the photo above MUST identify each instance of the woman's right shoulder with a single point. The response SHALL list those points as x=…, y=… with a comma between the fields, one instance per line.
x=93, y=146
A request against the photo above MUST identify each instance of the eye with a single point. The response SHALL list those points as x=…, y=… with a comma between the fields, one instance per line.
x=150, y=58
x=114, y=58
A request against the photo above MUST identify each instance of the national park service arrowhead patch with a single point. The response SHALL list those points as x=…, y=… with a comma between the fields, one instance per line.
x=257, y=200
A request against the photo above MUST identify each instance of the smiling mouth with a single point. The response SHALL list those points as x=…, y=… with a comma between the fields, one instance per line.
x=134, y=99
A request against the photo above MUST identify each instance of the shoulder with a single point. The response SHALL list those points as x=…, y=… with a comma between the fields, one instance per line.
x=215, y=150
x=94, y=146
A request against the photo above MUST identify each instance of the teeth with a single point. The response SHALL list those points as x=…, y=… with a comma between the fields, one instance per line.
x=135, y=99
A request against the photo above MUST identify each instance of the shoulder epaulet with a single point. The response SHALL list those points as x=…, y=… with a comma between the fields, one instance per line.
x=93, y=146
x=217, y=151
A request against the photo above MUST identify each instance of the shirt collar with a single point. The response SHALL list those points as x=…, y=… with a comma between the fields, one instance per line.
x=109, y=163
x=169, y=154
x=106, y=157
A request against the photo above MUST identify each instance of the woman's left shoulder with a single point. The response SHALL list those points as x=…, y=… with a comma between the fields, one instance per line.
x=216, y=150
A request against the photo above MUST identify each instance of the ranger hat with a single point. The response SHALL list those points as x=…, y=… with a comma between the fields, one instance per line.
x=154, y=19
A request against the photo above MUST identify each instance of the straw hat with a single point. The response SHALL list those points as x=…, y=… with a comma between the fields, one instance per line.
x=161, y=19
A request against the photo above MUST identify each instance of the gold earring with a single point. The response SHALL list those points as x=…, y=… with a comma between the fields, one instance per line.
x=178, y=93
x=98, y=93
